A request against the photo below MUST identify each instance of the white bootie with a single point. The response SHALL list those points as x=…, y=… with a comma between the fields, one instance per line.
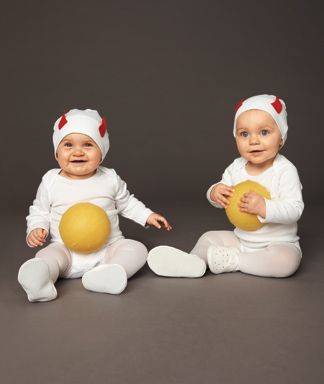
x=106, y=278
x=171, y=262
x=34, y=277
x=222, y=259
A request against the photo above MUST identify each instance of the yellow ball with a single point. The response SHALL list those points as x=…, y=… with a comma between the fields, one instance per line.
x=84, y=227
x=243, y=220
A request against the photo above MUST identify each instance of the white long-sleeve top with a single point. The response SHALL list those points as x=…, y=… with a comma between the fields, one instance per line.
x=284, y=208
x=106, y=189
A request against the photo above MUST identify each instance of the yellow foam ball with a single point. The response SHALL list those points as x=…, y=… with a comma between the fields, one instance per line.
x=84, y=227
x=244, y=220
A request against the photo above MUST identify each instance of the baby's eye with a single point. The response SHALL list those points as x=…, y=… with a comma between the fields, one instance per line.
x=244, y=134
x=68, y=145
x=88, y=145
x=264, y=132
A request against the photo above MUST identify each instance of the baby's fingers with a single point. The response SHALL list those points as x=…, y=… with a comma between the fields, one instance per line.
x=38, y=237
x=244, y=199
x=41, y=234
x=166, y=225
x=156, y=223
x=33, y=241
x=227, y=191
x=223, y=201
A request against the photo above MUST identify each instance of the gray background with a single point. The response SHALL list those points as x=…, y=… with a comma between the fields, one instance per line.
x=167, y=76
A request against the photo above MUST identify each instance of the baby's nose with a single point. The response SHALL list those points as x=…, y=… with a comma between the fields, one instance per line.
x=254, y=139
x=78, y=151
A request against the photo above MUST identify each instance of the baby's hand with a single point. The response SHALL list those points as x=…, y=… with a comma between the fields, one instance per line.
x=158, y=221
x=221, y=194
x=253, y=203
x=37, y=237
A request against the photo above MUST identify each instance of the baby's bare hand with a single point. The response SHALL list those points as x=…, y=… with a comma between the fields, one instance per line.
x=253, y=203
x=221, y=194
x=158, y=221
x=37, y=237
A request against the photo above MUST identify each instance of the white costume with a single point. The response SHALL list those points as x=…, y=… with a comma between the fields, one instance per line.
x=272, y=250
x=282, y=211
x=106, y=189
x=107, y=269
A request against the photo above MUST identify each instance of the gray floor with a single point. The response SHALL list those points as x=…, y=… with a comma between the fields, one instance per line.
x=232, y=328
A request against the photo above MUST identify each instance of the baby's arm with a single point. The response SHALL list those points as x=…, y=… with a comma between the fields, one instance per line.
x=129, y=206
x=288, y=207
x=38, y=218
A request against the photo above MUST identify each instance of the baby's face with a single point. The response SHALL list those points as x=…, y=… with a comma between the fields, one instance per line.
x=258, y=137
x=78, y=156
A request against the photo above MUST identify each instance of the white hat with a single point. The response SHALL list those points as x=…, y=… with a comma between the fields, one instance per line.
x=268, y=103
x=87, y=122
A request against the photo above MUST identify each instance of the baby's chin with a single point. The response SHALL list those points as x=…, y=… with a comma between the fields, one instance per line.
x=78, y=174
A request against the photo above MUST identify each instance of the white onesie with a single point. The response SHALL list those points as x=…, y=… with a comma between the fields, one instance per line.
x=105, y=189
x=282, y=211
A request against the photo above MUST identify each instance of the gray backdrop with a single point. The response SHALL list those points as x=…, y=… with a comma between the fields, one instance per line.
x=167, y=76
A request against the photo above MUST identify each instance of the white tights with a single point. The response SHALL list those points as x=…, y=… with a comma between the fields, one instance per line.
x=277, y=260
x=130, y=254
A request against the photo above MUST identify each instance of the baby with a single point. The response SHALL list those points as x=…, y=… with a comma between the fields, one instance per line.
x=81, y=142
x=260, y=130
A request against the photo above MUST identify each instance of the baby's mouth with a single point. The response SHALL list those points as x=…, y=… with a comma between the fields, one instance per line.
x=256, y=151
x=78, y=161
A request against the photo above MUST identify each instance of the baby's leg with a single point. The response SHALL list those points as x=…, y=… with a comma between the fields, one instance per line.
x=58, y=259
x=130, y=254
x=223, y=238
x=37, y=276
x=278, y=260
x=122, y=260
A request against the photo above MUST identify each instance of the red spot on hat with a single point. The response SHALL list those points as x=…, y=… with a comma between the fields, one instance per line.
x=277, y=105
x=62, y=122
x=103, y=127
x=238, y=105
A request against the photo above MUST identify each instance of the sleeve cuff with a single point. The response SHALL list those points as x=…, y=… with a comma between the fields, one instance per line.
x=267, y=219
x=144, y=216
x=213, y=203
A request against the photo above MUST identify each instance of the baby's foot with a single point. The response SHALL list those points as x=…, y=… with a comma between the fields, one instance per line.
x=222, y=259
x=171, y=262
x=34, y=277
x=106, y=278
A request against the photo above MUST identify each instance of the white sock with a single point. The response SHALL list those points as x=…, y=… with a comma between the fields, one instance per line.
x=34, y=277
x=106, y=278
x=222, y=259
x=171, y=262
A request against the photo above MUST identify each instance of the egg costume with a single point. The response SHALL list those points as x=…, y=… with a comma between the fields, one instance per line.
x=271, y=251
x=107, y=269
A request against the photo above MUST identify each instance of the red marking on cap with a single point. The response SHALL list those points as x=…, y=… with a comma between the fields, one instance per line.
x=277, y=105
x=62, y=122
x=238, y=105
x=103, y=127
